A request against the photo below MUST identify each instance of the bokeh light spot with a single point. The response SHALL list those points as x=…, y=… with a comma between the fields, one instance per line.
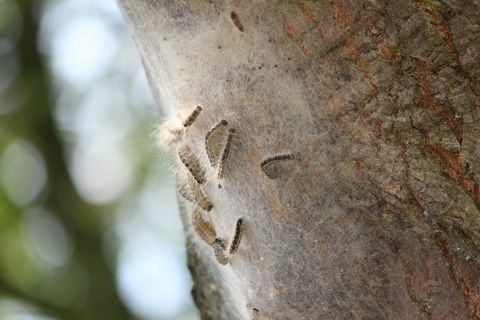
x=102, y=173
x=152, y=281
x=22, y=172
x=83, y=49
x=99, y=114
x=47, y=237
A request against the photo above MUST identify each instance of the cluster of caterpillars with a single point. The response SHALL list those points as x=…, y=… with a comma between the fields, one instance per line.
x=192, y=176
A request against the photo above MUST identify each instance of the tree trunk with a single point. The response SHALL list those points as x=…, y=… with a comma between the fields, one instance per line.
x=365, y=115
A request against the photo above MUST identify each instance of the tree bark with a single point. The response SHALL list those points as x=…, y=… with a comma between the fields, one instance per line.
x=377, y=216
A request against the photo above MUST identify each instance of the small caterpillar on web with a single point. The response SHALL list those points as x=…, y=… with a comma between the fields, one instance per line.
x=219, y=248
x=217, y=145
x=170, y=132
x=192, y=117
x=255, y=314
x=237, y=237
x=222, y=253
x=278, y=165
x=225, y=154
x=192, y=163
x=184, y=190
x=214, y=142
x=236, y=21
x=203, y=228
x=189, y=189
x=199, y=195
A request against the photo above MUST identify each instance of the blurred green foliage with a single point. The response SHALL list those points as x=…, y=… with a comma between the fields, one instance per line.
x=60, y=291
x=57, y=256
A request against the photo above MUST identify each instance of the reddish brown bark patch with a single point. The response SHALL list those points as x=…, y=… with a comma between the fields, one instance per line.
x=451, y=164
x=342, y=20
x=428, y=101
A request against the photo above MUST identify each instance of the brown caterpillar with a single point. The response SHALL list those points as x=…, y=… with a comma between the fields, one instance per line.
x=237, y=237
x=194, y=193
x=236, y=21
x=192, y=117
x=225, y=154
x=184, y=190
x=255, y=314
x=222, y=253
x=203, y=228
x=214, y=142
x=191, y=163
x=219, y=248
x=171, y=132
x=199, y=195
x=277, y=166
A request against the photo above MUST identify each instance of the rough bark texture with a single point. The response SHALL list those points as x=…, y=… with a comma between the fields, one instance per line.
x=378, y=215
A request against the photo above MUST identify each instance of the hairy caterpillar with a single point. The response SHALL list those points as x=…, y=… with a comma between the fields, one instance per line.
x=237, y=237
x=203, y=228
x=225, y=154
x=255, y=314
x=222, y=253
x=236, y=21
x=200, y=197
x=189, y=189
x=220, y=250
x=217, y=146
x=278, y=165
x=214, y=142
x=171, y=132
x=192, y=117
x=191, y=162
